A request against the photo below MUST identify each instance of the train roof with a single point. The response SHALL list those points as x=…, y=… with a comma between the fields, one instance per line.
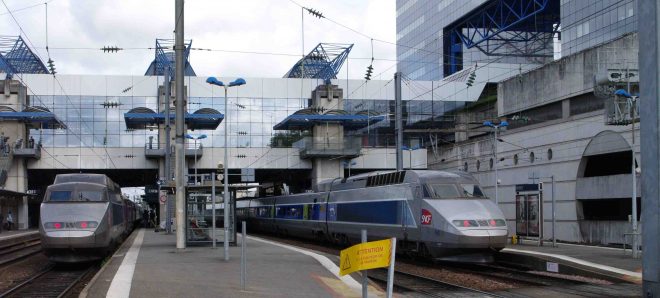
x=388, y=177
x=85, y=178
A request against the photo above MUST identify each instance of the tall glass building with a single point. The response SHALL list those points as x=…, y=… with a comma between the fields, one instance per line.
x=423, y=49
x=587, y=23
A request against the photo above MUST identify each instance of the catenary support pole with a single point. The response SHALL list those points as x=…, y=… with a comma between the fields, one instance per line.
x=649, y=64
x=180, y=128
x=168, y=149
x=398, y=116
x=497, y=179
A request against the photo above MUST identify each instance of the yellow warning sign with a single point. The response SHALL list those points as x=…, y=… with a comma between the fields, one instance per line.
x=368, y=255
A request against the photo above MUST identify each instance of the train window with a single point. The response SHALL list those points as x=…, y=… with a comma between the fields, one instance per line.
x=59, y=196
x=443, y=191
x=90, y=196
x=471, y=190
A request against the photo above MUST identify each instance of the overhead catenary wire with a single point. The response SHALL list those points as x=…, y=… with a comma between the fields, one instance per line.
x=27, y=38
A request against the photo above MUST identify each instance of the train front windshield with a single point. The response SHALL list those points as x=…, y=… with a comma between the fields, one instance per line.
x=453, y=191
x=77, y=196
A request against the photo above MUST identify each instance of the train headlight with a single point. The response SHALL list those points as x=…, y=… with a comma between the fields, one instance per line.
x=497, y=223
x=87, y=224
x=53, y=225
x=465, y=223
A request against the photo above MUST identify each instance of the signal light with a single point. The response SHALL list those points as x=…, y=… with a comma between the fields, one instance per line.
x=57, y=225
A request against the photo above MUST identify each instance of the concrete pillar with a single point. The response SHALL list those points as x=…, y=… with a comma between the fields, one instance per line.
x=326, y=169
x=22, y=217
x=461, y=133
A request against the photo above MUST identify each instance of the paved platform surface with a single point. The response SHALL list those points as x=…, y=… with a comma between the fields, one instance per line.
x=5, y=235
x=599, y=258
x=156, y=269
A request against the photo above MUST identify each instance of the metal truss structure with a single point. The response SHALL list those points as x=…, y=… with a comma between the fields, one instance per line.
x=16, y=57
x=521, y=28
x=164, y=57
x=323, y=62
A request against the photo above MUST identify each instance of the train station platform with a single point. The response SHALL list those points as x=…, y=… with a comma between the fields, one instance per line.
x=148, y=265
x=8, y=235
x=600, y=262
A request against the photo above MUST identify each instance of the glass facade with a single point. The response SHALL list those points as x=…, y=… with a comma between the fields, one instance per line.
x=98, y=120
x=420, y=25
x=587, y=23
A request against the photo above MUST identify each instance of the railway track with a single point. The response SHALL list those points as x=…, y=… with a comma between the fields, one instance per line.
x=12, y=252
x=51, y=282
x=427, y=287
x=507, y=274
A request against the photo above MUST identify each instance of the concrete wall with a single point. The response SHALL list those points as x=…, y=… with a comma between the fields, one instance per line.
x=567, y=77
x=568, y=140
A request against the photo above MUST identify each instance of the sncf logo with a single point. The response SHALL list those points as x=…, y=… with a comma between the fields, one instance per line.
x=426, y=217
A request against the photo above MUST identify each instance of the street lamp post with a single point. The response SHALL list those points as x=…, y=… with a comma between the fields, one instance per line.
x=495, y=130
x=632, y=99
x=237, y=82
x=195, y=140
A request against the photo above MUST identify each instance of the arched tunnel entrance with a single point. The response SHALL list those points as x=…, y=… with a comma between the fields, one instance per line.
x=604, y=189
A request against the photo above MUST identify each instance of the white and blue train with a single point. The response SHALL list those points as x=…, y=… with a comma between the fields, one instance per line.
x=441, y=215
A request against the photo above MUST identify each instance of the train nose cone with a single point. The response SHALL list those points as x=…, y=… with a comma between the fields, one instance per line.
x=498, y=237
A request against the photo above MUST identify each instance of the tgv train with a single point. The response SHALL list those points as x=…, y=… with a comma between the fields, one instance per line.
x=436, y=214
x=84, y=217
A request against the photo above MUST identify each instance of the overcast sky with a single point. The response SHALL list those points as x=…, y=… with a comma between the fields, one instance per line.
x=270, y=26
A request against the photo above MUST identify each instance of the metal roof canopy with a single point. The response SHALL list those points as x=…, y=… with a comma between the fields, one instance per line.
x=323, y=62
x=16, y=57
x=164, y=56
x=523, y=28
x=194, y=121
x=350, y=122
x=35, y=120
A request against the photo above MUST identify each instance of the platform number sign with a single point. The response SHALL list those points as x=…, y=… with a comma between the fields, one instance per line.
x=426, y=217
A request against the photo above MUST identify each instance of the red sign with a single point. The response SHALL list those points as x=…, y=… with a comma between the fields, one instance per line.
x=426, y=217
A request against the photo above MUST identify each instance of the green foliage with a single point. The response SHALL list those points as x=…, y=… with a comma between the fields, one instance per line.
x=287, y=138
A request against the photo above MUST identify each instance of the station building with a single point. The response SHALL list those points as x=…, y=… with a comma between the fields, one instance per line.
x=94, y=128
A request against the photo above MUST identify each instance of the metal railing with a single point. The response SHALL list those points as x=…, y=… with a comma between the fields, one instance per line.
x=329, y=146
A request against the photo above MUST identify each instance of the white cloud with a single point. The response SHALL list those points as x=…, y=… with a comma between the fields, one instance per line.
x=272, y=26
